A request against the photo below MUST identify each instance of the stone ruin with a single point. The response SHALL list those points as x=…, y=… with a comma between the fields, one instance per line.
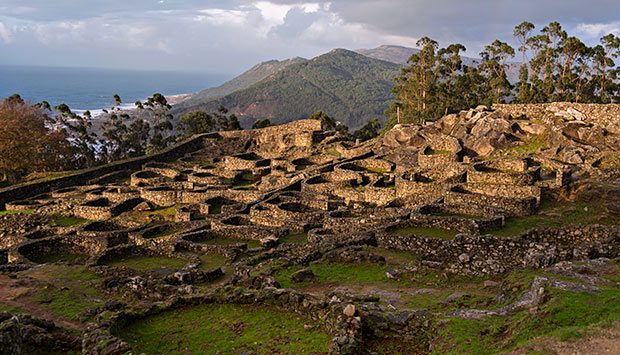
x=253, y=189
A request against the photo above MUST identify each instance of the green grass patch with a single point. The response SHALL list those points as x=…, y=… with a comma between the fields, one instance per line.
x=217, y=209
x=53, y=258
x=566, y=316
x=230, y=241
x=425, y=232
x=332, y=151
x=16, y=212
x=529, y=147
x=299, y=238
x=379, y=171
x=64, y=221
x=166, y=232
x=5, y=307
x=393, y=256
x=565, y=213
x=145, y=263
x=211, y=261
x=225, y=329
x=365, y=273
x=70, y=289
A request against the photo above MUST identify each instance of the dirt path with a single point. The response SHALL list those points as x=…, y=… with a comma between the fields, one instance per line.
x=11, y=295
x=601, y=341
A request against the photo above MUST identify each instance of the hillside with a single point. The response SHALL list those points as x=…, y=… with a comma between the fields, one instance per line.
x=243, y=81
x=394, y=54
x=400, y=55
x=346, y=85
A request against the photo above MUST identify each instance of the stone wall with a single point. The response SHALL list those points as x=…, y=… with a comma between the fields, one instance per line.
x=24, y=191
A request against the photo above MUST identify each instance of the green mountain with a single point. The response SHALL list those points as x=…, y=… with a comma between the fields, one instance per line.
x=243, y=81
x=350, y=87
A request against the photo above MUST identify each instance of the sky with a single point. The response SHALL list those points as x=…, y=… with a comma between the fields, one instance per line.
x=230, y=36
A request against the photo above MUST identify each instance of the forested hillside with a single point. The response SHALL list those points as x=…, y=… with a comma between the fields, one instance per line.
x=243, y=81
x=346, y=85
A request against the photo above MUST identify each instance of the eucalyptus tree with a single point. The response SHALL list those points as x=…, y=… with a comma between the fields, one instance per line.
x=521, y=35
x=495, y=63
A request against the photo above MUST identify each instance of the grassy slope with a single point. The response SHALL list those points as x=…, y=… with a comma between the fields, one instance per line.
x=225, y=329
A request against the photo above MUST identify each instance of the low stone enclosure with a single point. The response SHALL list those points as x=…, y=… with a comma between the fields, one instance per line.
x=219, y=219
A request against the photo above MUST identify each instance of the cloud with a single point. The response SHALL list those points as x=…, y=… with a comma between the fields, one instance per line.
x=597, y=30
x=6, y=34
x=233, y=35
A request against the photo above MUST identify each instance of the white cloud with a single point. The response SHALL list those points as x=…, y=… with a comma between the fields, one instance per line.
x=5, y=34
x=333, y=29
x=597, y=30
x=273, y=14
x=221, y=17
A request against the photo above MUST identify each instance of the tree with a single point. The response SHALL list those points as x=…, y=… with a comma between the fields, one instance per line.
x=159, y=120
x=416, y=84
x=568, y=52
x=327, y=123
x=262, y=124
x=26, y=143
x=603, y=59
x=521, y=34
x=195, y=122
x=226, y=122
x=368, y=131
x=552, y=35
x=494, y=63
x=83, y=140
x=450, y=68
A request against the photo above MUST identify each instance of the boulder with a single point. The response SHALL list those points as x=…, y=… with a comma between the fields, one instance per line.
x=302, y=275
x=349, y=310
x=392, y=274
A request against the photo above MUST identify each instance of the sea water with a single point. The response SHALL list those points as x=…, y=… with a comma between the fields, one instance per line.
x=92, y=89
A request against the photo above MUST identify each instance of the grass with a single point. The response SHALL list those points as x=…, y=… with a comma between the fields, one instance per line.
x=425, y=232
x=5, y=307
x=16, y=212
x=300, y=238
x=332, y=151
x=53, y=258
x=217, y=209
x=566, y=316
x=161, y=214
x=529, y=146
x=468, y=216
x=145, y=263
x=365, y=273
x=166, y=232
x=569, y=213
x=225, y=329
x=379, y=171
x=211, y=261
x=70, y=289
x=230, y=241
x=393, y=256
x=64, y=221
x=246, y=181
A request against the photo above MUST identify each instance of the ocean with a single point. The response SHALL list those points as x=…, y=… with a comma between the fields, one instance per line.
x=92, y=89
